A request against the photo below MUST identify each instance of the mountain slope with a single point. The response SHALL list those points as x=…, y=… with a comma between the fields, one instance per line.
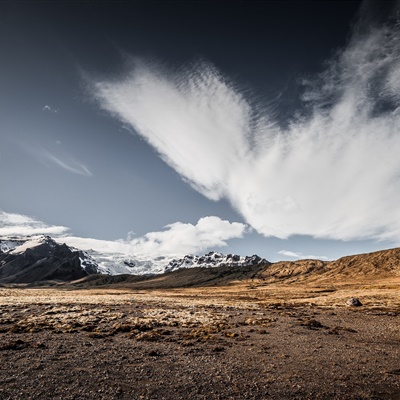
x=39, y=259
x=377, y=265
x=185, y=277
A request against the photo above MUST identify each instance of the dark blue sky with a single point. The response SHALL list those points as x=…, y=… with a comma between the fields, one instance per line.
x=84, y=165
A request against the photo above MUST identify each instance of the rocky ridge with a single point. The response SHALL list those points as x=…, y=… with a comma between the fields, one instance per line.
x=214, y=259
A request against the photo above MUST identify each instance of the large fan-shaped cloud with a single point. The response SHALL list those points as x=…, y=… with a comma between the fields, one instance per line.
x=334, y=172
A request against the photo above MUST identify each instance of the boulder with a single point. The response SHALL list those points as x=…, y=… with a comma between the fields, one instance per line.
x=353, y=302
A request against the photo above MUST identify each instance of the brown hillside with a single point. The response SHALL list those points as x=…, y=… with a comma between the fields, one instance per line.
x=383, y=264
x=382, y=267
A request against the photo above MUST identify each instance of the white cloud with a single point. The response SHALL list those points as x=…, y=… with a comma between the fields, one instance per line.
x=49, y=109
x=104, y=246
x=301, y=256
x=57, y=157
x=177, y=238
x=21, y=225
x=181, y=238
x=69, y=165
x=333, y=173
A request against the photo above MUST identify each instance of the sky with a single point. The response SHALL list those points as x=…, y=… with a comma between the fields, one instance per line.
x=269, y=128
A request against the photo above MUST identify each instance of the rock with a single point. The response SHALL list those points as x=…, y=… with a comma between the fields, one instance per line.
x=154, y=353
x=313, y=324
x=353, y=302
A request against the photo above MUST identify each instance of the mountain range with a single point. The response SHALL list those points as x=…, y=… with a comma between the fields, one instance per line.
x=41, y=258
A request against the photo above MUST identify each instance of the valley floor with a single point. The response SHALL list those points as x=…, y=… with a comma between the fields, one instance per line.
x=244, y=341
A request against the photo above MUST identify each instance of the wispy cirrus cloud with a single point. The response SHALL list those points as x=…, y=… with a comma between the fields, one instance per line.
x=12, y=224
x=56, y=157
x=50, y=109
x=334, y=172
x=301, y=256
x=68, y=164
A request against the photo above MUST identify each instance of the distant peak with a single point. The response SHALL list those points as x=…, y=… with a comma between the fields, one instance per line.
x=214, y=259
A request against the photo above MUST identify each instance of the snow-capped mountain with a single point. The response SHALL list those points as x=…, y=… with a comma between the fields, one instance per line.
x=25, y=259
x=117, y=263
x=39, y=258
x=214, y=259
x=89, y=261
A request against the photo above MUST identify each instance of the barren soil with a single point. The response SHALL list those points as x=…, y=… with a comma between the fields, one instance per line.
x=246, y=340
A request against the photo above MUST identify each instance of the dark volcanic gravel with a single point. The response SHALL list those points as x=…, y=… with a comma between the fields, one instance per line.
x=149, y=350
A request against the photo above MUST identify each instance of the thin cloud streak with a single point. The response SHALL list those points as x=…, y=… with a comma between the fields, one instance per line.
x=49, y=109
x=71, y=165
x=62, y=159
x=300, y=256
x=333, y=173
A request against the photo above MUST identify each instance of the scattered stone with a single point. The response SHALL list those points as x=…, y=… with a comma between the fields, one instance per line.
x=334, y=331
x=312, y=324
x=353, y=302
x=154, y=353
x=218, y=349
x=394, y=372
x=39, y=345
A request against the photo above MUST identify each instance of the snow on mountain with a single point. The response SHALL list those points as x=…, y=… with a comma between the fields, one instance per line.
x=32, y=242
x=115, y=263
x=16, y=244
x=214, y=259
x=9, y=243
x=40, y=258
x=119, y=263
x=87, y=262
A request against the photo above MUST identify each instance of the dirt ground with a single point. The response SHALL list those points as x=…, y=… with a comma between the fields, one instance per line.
x=249, y=340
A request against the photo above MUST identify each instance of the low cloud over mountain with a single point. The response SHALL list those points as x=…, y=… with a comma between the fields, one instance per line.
x=177, y=239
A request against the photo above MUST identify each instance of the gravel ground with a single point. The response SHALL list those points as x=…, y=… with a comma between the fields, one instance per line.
x=143, y=349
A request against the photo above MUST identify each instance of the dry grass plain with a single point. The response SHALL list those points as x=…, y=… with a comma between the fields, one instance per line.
x=259, y=338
